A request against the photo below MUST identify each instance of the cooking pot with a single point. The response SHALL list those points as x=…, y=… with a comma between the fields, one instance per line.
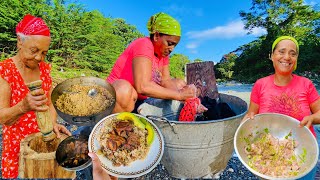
x=194, y=149
x=89, y=120
x=72, y=153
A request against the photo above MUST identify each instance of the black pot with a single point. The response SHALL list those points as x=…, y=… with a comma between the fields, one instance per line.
x=72, y=153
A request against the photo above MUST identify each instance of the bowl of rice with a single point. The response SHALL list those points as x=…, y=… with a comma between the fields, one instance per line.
x=73, y=103
x=273, y=146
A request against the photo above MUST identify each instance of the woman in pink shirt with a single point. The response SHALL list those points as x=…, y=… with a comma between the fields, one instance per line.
x=142, y=70
x=284, y=92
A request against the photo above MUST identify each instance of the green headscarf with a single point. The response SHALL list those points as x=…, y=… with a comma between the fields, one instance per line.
x=286, y=38
x=165, y=24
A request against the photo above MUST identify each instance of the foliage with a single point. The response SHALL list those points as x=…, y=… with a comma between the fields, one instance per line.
x=278, y=17
x=87, y=43
x=224, y=69
x=81, y=40
x=177, y=65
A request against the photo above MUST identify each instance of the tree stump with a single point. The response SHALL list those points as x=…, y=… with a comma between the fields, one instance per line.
x=38, y=158
x=201, y=74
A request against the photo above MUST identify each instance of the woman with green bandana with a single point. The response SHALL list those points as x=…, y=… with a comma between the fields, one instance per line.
x=142, y=70
x=284, y=92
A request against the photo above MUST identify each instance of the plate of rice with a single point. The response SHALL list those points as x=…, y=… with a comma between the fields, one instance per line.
x=128, y=145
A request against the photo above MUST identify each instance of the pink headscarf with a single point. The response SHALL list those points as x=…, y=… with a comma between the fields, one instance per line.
x=31, y=25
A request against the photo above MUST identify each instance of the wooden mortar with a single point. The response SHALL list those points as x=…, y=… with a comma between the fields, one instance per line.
x=38, y=158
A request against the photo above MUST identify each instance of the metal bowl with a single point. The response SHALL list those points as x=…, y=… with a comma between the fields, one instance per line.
x=90, y=120
x=72, y=153
x=279, y=126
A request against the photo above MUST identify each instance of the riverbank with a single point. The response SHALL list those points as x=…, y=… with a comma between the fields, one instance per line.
x=243, y=95
x=242, y=91
x=235, y=170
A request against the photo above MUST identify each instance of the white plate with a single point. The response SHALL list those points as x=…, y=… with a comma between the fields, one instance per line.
x=136, y=168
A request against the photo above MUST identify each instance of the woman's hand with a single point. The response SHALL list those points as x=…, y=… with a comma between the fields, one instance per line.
x=253, y=110
x=174, y=83
x=188, y=91
x=179, y=83
x=201, y=109
x=98, y=172
x=249, y=115
x=57, y=128
x=34, y=101
x=307, y=121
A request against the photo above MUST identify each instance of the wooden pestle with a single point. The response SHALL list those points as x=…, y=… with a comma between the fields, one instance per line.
x=43, y=118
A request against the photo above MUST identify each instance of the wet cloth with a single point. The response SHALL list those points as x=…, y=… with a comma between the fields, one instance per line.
x=141, y=47
x=26, y=124
x=165, y=24
x=189, y=110
x=31, y=25
x=293, y=99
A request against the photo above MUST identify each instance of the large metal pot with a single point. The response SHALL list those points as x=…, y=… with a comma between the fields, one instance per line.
x=195, y=149
x=90, y=120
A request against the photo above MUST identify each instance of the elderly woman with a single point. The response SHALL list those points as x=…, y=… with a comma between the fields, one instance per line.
x=142, y=70
x=17, y=104
x=284, y=92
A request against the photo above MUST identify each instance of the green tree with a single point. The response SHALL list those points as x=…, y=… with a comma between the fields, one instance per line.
x=124, y=31
x=11, y=12
x=277, y=17
x=224, y=69
x=81, y=40
x=177, y=65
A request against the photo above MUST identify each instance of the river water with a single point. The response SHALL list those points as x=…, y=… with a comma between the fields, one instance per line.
x=239, y=87
x=233, y=86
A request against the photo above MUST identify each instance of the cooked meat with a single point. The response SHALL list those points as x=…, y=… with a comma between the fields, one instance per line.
x=76, y=153
x=133, y=140
x=124, y=134
x=112, y=145
x=117, y=139
x=122, y=142
x=128, y=147
x=123, y=126
x=274, y=157
x=70, y=148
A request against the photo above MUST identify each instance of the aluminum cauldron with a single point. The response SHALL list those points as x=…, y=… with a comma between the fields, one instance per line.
x=279, y=126
x=195, y=149
x=90, y=120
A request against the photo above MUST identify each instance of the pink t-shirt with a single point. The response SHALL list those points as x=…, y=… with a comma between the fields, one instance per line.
x=141, y=47
x=293, y=100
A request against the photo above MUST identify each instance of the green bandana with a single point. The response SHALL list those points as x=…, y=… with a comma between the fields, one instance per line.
x=164, y=23
x=286, y=38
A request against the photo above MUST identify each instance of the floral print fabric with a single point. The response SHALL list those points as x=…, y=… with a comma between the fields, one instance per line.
x=26, y=124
